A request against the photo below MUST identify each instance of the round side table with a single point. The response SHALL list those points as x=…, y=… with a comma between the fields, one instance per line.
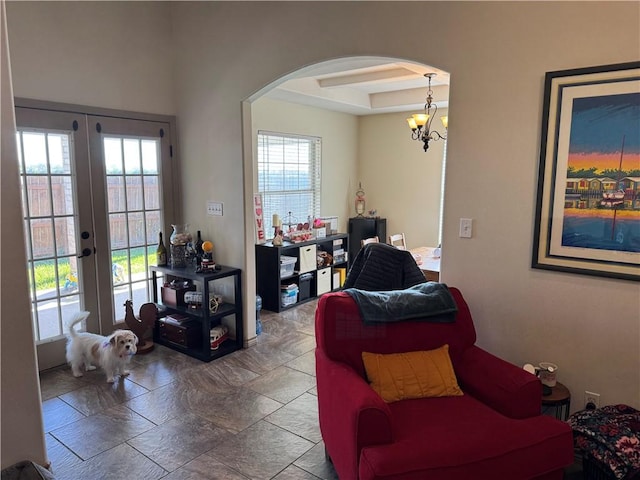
x=559, y=400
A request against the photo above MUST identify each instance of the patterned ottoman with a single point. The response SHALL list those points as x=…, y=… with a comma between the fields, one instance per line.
x=609, y=440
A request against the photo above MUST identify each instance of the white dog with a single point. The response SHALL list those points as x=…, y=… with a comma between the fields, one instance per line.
x=112, y=353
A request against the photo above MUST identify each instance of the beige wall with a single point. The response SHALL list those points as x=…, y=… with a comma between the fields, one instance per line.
x=402, y=182
x=497, y=54
x=107, y=54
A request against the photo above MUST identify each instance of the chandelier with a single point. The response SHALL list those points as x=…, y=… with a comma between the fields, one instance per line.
x=420, y=123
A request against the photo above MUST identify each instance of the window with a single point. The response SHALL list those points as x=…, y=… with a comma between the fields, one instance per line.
x=288, y=177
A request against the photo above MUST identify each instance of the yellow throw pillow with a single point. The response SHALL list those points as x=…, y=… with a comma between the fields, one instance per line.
x=399, y=376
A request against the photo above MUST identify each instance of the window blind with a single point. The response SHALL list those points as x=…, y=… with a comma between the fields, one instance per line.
x=289, y=177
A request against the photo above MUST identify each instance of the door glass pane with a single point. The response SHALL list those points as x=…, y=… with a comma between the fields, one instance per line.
x=131, y=148
x=46, y=278
x=65, y=236
x=68, y=275
x=49, y=322
x=136, y=229
x=153, y=228
x=113, y=156
x=35, y=152
x=116, y=194
x=42, y=242
x=59, y=153
x=120, y=266
x=139, y=292
x=118, y=230
x=150, y=156
x=122, y=293
x=62, y=191
x=151, y=193
x=38, y=196
x=134, y=193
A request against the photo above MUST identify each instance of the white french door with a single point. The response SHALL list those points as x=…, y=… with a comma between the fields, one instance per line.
x=95, y=193
x=131, y=198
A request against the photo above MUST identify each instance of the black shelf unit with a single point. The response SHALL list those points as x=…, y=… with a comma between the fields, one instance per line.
x=365, y=227
x=206, y=319
x=268, y=278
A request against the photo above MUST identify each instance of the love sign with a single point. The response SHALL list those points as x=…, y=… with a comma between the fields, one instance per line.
x=257, y=212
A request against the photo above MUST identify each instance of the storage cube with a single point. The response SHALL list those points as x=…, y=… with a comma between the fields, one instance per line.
x=324, y=281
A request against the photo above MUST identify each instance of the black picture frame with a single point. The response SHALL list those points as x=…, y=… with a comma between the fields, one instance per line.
x=587, y=218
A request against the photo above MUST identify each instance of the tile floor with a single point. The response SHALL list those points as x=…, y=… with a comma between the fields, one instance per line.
x=252, y=414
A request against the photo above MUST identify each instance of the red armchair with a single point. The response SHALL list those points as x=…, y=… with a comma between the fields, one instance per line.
x=494, y=431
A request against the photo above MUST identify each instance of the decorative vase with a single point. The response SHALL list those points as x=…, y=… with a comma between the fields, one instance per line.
x=180, y=238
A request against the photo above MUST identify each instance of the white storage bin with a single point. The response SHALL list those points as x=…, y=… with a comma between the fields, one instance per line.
x=324, y=281
x=308, y=260
x=287, y=265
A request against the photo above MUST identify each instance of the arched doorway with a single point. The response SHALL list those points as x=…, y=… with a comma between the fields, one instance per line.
x=358, y=107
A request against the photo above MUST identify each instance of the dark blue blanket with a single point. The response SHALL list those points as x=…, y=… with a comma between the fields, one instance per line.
x=429, y=301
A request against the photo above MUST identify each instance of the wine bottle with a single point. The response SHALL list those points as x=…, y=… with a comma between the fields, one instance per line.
x=161, y=253
x=199, y=242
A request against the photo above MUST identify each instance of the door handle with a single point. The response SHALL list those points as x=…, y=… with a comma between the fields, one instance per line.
x=85, y=253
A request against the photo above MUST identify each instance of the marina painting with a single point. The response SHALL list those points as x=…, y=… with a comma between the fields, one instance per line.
x=588, y=209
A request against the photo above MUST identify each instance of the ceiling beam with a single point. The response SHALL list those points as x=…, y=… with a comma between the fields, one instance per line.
x=379, y=76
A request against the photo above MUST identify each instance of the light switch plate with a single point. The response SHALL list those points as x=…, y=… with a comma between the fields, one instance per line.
x=466, y=227
x=214, y=208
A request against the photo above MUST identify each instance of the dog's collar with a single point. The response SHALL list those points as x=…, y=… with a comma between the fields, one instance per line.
x=105, y=344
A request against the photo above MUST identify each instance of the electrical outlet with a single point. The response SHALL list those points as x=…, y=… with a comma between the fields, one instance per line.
x=591, y=400
x=214, y=208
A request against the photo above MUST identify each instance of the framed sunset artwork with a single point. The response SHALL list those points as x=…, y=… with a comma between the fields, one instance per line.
x=588, y=200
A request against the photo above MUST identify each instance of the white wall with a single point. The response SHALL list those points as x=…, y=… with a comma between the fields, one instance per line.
x=402, y=182
x=339, y=133
x=497, y=54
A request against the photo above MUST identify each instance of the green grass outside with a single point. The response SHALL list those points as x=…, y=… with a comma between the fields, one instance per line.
x=45, y=272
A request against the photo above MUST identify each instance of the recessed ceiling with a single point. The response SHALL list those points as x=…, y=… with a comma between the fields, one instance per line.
x=364, y=86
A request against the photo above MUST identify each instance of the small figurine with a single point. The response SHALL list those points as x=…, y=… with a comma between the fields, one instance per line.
x=277, y=240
